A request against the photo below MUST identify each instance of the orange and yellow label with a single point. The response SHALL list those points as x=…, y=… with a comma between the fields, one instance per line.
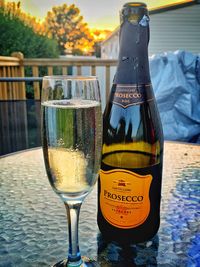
x=124, y=197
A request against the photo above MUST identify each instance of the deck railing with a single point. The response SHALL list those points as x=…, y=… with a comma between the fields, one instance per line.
x=16, y=65
x=12, y=67
x=20, y=120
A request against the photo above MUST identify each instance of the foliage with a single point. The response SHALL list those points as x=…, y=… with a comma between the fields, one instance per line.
x=16, y=36
x=21, y=32
x=65, y=24
x=14, y=10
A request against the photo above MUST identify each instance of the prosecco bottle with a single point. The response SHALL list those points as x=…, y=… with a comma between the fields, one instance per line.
x=129, y=186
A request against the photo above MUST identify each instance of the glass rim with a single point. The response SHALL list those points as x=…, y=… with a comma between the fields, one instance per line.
x=70, y=77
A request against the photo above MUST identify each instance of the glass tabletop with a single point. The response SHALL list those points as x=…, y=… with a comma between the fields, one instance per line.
x=33, y=221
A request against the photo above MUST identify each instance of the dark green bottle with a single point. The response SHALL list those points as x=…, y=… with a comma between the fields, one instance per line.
x=129, y=186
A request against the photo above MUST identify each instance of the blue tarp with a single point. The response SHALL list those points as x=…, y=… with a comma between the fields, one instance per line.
x=176, y=82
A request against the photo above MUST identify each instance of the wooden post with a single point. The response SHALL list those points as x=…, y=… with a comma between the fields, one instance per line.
x=9, y=90
x=79, y=70
x=64, y=70
x=1, y=87
x=17, y=85
x=36, y=85
x=4, y=85
x=93, y=70
x=20, y=87
x=50, y=70
x=14, y=89
x=107, y=82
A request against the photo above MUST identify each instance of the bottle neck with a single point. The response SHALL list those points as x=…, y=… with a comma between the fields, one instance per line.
x=133, y=62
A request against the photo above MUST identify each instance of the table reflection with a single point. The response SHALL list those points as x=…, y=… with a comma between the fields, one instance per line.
x=20, y=125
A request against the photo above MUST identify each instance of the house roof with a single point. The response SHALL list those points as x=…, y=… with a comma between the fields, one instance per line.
x=172, y=6
x=160, y=9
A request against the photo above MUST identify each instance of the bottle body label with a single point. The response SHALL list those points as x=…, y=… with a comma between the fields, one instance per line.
x=129, y=95
x=124, y=197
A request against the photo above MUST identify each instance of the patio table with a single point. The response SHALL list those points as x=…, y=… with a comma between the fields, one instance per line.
x=33, y=223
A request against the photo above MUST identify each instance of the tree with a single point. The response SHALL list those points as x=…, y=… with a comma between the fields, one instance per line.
x=65, y=24
x=14, y=10
x=16, y=36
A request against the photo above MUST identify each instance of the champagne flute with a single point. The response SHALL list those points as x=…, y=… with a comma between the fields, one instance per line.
x=71, y=140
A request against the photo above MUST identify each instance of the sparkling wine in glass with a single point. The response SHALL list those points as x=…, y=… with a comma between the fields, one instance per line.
x=71, y=140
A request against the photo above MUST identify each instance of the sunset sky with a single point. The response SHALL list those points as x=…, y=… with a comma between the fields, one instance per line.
x=100, y=14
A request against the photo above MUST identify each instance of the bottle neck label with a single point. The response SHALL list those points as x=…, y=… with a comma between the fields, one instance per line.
x=133, y=62
x=128, y=95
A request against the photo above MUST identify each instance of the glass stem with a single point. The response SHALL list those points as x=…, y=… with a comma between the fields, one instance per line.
x=74, y=255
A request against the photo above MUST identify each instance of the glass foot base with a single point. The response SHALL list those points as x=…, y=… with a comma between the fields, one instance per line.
x=87, y=262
